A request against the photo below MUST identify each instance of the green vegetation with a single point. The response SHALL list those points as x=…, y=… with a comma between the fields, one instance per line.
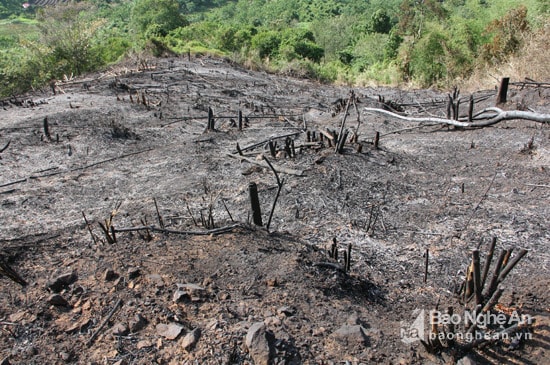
x=429, y=42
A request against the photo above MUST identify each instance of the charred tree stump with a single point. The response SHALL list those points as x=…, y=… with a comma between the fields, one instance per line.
x=240, y=120
x=503, y=90
x=211, y=121
x=255, y=204
x=47, y=129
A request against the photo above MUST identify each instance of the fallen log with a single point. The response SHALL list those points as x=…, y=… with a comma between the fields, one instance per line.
x=498, y=115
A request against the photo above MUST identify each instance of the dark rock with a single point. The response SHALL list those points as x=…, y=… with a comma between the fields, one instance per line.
x=110, y=275
x=137, y=323
x=62, y=281
x=133, y=273
x=58, y=301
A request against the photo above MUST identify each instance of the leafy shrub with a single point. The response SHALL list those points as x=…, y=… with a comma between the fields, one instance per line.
x=266, y=43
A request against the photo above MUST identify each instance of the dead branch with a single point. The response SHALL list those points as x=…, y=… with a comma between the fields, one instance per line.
x=484, y=118
x=263, y=164
x=5, y=147
x=279, y=185
x=418, y=120
x=214, y=232
x=111, y=313
x=262, y=143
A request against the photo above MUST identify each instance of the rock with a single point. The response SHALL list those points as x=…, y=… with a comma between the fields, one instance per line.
x=133, y=273
x=65, y=356
x=260, y=344
x=110, y=275
x=466, y=360
x=169, y=331
x=137, y=323
x=62, y=281
x=180, y=296
x=188, y=291
x=191, y=339
x=156, y=279
x=143, y=344
x=286, y=311
x=351, y=335
x=58, y=301
x=120, y=329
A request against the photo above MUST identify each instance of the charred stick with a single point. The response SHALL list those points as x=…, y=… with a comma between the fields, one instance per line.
x=89, y=228
x=477, y=277
x=111, y=313
x=161, y=222
x=488, y=261
x=511, y=265
x=494, y=281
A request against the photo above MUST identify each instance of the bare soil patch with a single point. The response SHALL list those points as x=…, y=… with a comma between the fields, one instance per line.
x=133, y=139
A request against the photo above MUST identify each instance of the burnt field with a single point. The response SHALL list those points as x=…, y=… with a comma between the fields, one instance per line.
x=125, y=206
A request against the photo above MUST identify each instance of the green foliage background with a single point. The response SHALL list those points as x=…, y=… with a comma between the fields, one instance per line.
x=429, y=42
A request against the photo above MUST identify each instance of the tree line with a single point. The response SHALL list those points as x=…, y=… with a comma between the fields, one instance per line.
x=428, y=42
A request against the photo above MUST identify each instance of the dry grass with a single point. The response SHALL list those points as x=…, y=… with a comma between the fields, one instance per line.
x=531, y=61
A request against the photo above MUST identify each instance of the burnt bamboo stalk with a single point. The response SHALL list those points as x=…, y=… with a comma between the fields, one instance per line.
x=469, y=284
x=191, y=214
x=342, y=142
x=507, y=257
x=228, y=212
x=240, y=123
x=451, y=327
x=449, y=106
x=161, y=222
x=255, y=204
x=493, y=300
x=211, y=121
x=426, y=263
x=477, y=276
x=457, y=106
x=279, y=185
x=341, y=134
x=488, y=262
x=89, y=228
x=376, y=140
x=494, y=281
x=471, y=109
x=272, y=148
x=113, y=234
x=47, y=129
x=348, y=265
x=346, y=260
x=106, y=232
x=511, y=265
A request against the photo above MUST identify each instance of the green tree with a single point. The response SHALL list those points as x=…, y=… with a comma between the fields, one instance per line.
x=153, y=18
x=380, y=22
x=68, y=43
